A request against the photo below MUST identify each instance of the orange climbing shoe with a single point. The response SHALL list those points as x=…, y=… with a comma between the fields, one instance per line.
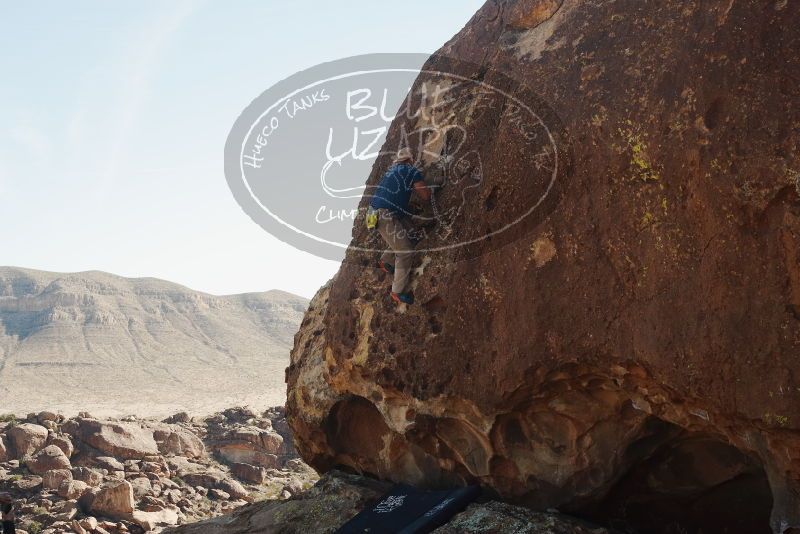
x=387, y=267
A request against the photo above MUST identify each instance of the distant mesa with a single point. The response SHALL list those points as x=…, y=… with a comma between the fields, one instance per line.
x=116, y=345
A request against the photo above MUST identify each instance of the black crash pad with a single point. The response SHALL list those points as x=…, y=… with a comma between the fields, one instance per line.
x=407, y=510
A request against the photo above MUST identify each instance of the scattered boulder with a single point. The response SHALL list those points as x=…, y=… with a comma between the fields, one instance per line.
x=52, y=479
x=141, y=487
x=91, y=476
x=217, y=480
x=168, y=515
x=180, y=417
x=26, y=439
x=72, y=489
x=219, y=494
x=114, y=500
x=110, y=463
x=176, y=441
x=266, y=440
x=64, y=511
x=47, y=416
x=50, y=457
x=249, y=473
x=63, y=442
x=89, y=523
x=293, y=487
x=146, y=490
x=244, y=452
x=232, y=488
x=206, y=479
x=117, y=439
x=27, y=483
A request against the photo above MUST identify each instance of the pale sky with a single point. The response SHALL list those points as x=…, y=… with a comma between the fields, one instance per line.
x=114, y=115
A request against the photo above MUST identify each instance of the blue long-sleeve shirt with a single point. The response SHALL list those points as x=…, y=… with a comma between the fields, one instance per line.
x=395, y=187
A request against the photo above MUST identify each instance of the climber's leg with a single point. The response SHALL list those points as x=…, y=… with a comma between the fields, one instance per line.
x=395, y=232
x=387, y=261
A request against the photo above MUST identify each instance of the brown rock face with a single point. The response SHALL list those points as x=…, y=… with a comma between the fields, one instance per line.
x=630, y=351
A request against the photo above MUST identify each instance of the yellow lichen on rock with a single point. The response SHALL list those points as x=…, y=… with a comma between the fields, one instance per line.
x=543, y=251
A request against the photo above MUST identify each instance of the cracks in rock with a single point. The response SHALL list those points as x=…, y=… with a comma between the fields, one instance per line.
x=708, y=244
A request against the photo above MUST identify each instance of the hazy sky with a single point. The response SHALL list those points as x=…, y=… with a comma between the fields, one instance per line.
x=113, y=118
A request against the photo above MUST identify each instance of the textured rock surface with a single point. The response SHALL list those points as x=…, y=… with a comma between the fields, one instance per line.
x=338, y=496
x=501, y=518
x=630, y=353
x=114, y=346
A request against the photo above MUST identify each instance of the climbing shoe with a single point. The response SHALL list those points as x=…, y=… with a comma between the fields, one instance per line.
x=403, y=298
x=388, y=267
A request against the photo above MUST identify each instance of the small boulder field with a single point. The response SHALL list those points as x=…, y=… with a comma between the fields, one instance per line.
x=132, y=475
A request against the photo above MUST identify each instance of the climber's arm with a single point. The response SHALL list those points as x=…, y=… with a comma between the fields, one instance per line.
x=422, y=190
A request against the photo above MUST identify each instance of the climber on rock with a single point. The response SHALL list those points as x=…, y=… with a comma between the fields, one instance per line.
x=388, y=212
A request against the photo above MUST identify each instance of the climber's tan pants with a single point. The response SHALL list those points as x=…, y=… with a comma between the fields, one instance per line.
x=395, y=231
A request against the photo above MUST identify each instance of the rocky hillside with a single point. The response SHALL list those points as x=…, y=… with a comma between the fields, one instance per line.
x=114, y=346
x=86, y=475
x=629, y=350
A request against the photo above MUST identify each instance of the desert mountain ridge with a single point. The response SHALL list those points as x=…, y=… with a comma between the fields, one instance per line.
x=115, y=345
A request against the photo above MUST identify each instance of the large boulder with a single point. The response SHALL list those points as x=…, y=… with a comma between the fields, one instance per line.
x=26, y=439
x=117, y=439
x=176, y=441
x=629, y=296
x=63, y=442
x=167, y=515
x=109, y=462
x=72, y=489
x=114, y=500
x=51, y=457
x=250, y=473
x=265, y=439
x=249, y=445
